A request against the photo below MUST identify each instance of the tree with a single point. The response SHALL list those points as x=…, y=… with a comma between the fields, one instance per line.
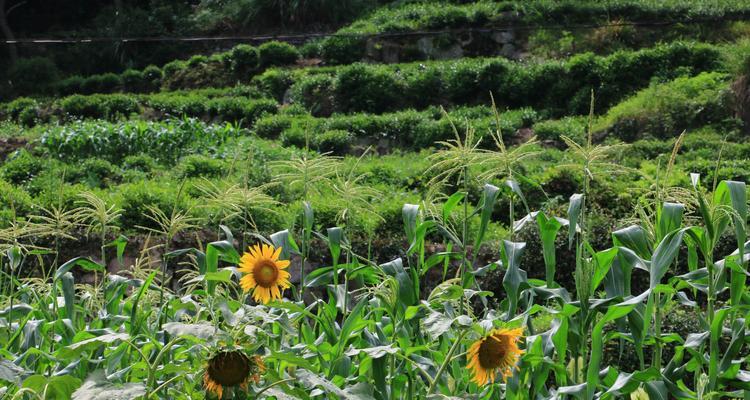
x=6, y=8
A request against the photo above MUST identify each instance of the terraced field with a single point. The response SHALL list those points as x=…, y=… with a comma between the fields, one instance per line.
x=446, y=199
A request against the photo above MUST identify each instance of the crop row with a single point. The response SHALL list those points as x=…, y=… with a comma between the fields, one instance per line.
x=561, y=87
x=231, y=105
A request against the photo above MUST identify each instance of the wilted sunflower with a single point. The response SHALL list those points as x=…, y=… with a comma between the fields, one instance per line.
x=229, y=368
x=266, y=275
x=496, y=351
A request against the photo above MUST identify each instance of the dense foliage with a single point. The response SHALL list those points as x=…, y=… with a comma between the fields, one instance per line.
x=564, y=217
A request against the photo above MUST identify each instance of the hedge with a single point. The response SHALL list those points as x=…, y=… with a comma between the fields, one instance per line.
x=229, y=105
x=558, y=87
x=220, y=69
x=407, y=129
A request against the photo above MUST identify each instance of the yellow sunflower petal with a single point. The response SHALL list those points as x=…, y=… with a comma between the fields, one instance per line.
x=282, y=264
x=247, y=282
x=276, y=254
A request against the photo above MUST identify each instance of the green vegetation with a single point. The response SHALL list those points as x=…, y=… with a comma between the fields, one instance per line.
x=260, y=223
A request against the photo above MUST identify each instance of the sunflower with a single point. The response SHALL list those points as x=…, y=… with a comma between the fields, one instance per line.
x=496, y=351
x=264, y=273
x=229, y=368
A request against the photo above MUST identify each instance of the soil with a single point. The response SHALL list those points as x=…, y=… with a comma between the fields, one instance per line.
x=9, y=145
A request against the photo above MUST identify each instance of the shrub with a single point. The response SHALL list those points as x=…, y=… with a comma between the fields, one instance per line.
x=21, y=167
x=551, y=130
x=196, y=60
x=295, y=136
x=134, y=80
x=119, y=105
x=316, y=93
x=32, y=75
x=664, y=110
x=277, y=53
x=235, y=109
x=171, y=68
x=558, y=88
x=71, y=85
x=135, y=198
x=140, y=162
x=99, y=106
x=198, y=76
x=28, y=117
x=338, y=50
x=244, y=59
x=83, y=106
x=273, y=82
x=152, y=75
x=194, y=166
x=335, y=141
x=360, y=87
x=271, y=127
x=14, y=202
x=104, y=83
x=95, y=172
x=16, y=108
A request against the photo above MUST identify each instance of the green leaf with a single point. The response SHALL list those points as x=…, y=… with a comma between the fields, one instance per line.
x=284, y=240
x=54, y=387
x=335, y=238
x=669, y=219
x=68, y=289
x=373, y=352
x=224, y=276
x=515, y=188
x=410, y=213
x=11, y=372
x=514, y=276
x=82, y=262
x=574, y=213
x=548, y=229
x=451, y=203
x=664, y=255
x=97, y=387
x=75, y=349
x=734, y=194
x=597, y=339
x=396, y=269
x=602, y=262
x=202, y=330
x=119, y=244
x=292, y=359
x=360, y=391
x=634, y=238
x=489, y=196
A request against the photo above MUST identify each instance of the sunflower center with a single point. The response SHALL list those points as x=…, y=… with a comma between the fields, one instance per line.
x=265, y=273
x=492, y=352
x=229, y=368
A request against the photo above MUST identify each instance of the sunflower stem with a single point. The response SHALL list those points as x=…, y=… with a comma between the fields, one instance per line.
x=257, y=395
x=448, y=359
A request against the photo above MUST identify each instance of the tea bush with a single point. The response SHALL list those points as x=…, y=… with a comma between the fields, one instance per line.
x=21, y=167
x=244, y=59
x=194, y=166
x=557, y=87
x=664, y=110
x=407, y=129
x=276, y=53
